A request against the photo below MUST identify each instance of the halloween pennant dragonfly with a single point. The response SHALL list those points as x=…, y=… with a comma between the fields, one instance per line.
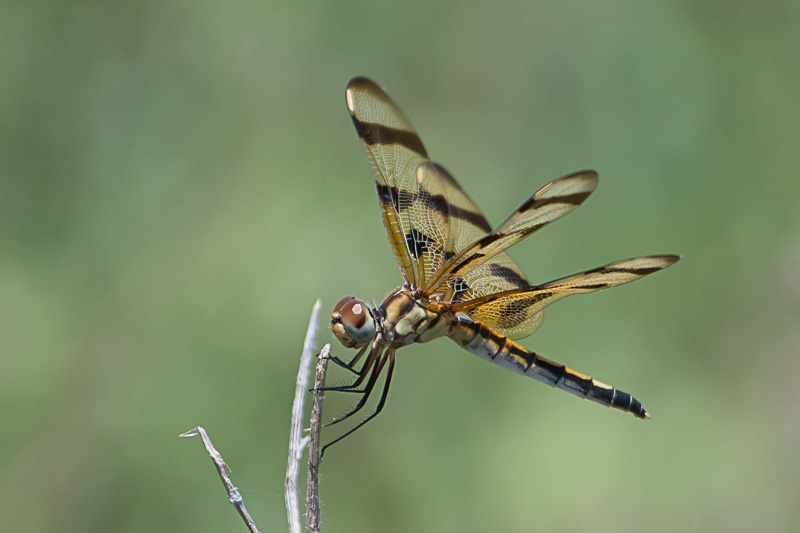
x=458, y=280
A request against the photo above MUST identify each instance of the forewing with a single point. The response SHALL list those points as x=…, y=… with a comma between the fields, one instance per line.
x=454, y=221
x=427, y=208
x=394, y=151
x=451, y=218
x=551, y=202
x=517, y=313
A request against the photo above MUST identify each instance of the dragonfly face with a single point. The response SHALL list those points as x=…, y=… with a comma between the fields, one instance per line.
x=352, y=323
x=458, y=280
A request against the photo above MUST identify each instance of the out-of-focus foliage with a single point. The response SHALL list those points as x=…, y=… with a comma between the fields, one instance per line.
x=179, y=181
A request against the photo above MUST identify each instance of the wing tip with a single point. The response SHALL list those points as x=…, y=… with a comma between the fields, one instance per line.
x=653, y=263
x=362, y=84
x=668, y=259
x=590, y=176
x=577, y=185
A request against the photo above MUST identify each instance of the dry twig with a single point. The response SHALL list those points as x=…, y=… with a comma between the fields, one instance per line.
x=224, y=474
x=296, y=441
x=312, y=488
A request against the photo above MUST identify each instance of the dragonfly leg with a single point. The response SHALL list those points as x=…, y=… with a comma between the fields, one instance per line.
x=362, y=373
x=350, y=365
x=389, y=356
x=377, y=368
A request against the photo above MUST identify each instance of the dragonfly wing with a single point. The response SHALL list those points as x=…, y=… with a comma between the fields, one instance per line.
x=517, y=313
x=551, y=202
x=394, y=151
x=447, y=213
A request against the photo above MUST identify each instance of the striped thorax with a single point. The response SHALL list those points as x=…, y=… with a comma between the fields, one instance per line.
x=401, y=319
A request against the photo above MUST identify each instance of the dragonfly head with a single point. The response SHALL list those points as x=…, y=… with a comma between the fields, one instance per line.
x=352, y=322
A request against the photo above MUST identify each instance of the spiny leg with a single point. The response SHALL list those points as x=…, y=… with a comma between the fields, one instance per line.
x=350, y=365
x=362, y=373
x=377, y=368
x=390, y=357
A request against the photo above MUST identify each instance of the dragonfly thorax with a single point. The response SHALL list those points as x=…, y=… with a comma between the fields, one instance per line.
x=352, y=322
x=406, y=319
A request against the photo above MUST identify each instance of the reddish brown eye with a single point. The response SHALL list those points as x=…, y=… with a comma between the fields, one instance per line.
x=352, y=312
x=343, y=303
x=352, y=322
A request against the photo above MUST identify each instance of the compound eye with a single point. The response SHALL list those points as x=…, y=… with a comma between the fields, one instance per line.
x=354, y=313
x=352, y=322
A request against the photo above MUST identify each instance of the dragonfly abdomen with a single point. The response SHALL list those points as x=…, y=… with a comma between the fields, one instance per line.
x=496, y=348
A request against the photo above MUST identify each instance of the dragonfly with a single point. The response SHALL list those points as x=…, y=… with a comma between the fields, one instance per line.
x=458, y=280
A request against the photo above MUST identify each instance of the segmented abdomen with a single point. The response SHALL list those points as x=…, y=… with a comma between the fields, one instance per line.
x=491, y=346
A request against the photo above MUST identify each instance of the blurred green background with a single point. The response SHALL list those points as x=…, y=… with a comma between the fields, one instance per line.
x=179, y=181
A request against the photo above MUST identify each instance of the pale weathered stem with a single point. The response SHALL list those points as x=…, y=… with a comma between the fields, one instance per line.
x=224, y=473
x=312, y=488
x=296, y=440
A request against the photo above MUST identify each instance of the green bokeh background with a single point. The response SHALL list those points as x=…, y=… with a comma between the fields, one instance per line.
x=179, y=182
